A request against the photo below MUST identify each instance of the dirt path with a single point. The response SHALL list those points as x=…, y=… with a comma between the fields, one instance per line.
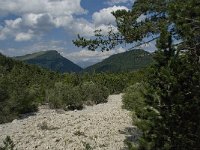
x=99, y=127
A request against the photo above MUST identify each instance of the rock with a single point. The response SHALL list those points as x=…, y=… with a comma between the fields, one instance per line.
x=14, y=121
x=99, y=126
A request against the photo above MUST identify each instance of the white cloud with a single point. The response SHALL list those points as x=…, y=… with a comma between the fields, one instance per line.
x=47, y=45
x=104, y=16
x=3, y=33
x=63, y=21
x=60, y=46
x=13, y=23
x=95, y=56
x=24, y=36
x=100, y=20
x=10, y=28
x=82, y=27
x=40, y=17
x=22, y=29
x=54, y=7
x=113, y=2
x=106, y=28
x=151, y=46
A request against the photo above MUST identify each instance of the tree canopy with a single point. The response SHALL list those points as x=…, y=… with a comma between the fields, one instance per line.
x=169, y=117
x=181, y=17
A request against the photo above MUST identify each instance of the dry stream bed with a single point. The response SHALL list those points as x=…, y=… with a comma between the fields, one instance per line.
x=100, y=127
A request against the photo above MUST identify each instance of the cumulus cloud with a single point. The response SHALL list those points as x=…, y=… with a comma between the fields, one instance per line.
x=85, y=55
x=54, y=7
x=105, y=17
x=39, y=17
x=26, y=27
x=44, y=21
x=36, y=17
x=24, y=36
x=102, y=19
x=10, y=28
x=60, y=46
x=82, y=27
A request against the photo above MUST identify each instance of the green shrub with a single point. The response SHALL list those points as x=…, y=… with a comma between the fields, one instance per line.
x=55, y=96
x=64, y=96
x=16, y=102
x=73, y=99
x=25, y=100
x=93, y=93
x=133, y=98
x=87, y=146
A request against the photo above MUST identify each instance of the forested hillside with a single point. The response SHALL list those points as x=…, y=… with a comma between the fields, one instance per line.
x=127, y=61
x=51, y=60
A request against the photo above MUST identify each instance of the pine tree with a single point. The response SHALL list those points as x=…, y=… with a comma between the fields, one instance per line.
x=170, y=119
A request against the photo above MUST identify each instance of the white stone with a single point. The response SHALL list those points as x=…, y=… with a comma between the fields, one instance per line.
x=100, y=126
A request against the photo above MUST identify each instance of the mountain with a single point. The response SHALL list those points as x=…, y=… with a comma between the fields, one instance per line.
x=126, y=61
x=85, y=64
x=51, y=60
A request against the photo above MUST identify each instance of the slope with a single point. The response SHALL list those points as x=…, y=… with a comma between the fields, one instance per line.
x=22, y=87
x=127, y=61
x=51, y=60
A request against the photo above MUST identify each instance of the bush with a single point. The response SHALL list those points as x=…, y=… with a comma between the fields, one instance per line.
x=55, y=95
x=133, y=98
x=64, y=96
x=73, y=97
x=16, y=102
x=93, y=93
x=25, y=101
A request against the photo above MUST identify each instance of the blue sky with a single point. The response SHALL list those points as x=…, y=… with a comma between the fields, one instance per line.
x=27, y=26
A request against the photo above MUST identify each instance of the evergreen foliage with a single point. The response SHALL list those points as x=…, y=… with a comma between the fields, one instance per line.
x=21, y=87
x=170, y=112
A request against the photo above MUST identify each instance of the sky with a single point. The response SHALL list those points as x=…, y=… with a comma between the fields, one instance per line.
x=28, y=26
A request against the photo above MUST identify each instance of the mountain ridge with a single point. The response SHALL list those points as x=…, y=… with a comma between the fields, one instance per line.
x=127, y=61
x=50, y=59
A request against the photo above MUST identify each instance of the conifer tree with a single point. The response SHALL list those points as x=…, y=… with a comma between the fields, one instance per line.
x=171, y=117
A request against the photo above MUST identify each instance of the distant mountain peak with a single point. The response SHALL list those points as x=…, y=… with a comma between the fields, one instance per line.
x=51, y=51
x=50, y=59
